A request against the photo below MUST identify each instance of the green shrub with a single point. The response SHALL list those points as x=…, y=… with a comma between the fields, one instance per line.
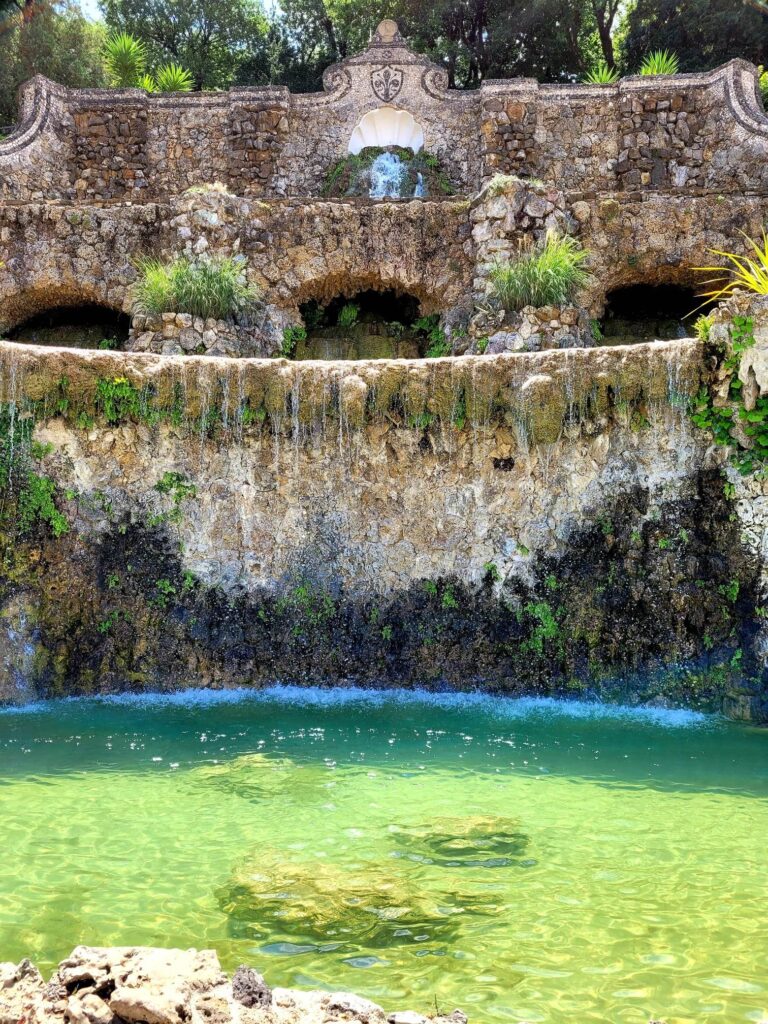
x=348, y=316
x=174, y=78
x=601, y=74
x=748, y=444
x=291, y=337
x=117, y=399
x=702, y=326
x=763, y=84
x=660, y=62
x=35, y=504
x=431, y=327
x=547, y=275
x=205, y=287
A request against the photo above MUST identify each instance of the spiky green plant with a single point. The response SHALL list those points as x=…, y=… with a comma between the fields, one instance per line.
x=601, y=74
x=174, y=78
x=125, y=60
x=205, y=287
x=545, y=275
x=147, y=83
x=748, y=272
x=762, y=82
x=660, y=62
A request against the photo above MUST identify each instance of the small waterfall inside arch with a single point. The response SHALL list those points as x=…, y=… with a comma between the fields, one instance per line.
x=386, y=176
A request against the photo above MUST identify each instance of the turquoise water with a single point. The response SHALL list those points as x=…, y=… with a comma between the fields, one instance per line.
x=526, y=860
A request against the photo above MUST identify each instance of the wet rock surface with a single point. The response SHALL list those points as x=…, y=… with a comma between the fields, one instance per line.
x=141, y=985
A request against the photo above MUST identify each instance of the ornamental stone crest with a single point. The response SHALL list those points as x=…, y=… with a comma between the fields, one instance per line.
x=387, y=67
x=387, y=82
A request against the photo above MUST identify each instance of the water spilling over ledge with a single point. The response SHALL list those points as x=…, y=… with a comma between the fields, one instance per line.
x=540, y=394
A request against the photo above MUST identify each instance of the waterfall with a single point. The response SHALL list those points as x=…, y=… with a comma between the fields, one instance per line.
x=17, y=650
x=386, y=176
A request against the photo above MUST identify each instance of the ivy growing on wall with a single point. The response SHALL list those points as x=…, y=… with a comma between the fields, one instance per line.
x=744, y=431
x=26, y=496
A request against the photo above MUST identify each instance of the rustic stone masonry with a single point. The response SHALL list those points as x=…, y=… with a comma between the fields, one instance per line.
x=650, y=174
x=182, y=334
x=439, y=251
x=685, y=132
x=535, y=329
x=679, y=133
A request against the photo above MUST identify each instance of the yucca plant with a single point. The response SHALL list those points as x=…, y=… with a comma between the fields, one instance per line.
x=147, y=83
x=601, y=74
x=125, y=60
x=174, y=78
x=748, y=272
x=547, y=275
x=660, y=62
x=214, y=288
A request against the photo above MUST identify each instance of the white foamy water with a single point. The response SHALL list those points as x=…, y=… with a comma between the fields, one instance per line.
x=323, y=697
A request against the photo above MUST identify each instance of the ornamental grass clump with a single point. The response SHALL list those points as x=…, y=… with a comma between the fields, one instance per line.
x=546, y=275
x=207, y=288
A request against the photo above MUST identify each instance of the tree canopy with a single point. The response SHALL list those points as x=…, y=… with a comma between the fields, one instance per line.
x=703, y=33
x=47, y=39
x=211, y=38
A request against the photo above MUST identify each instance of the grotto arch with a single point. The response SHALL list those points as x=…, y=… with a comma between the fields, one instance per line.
x=359, y=322
x=67, y=317
x=660, y=303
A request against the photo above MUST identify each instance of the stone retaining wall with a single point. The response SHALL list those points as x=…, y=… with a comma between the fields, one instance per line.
x=684, y=133
x=58, y=255
x=182, y=334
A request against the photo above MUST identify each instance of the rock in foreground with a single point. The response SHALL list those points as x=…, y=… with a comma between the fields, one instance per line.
x=139, y=985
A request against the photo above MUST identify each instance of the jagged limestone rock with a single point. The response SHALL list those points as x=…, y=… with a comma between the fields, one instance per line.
x=140, y=985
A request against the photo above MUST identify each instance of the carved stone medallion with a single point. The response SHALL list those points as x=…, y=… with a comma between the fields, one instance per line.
x=387, y=82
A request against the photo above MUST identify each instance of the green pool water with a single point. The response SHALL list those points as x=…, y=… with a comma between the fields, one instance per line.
x=524, y=860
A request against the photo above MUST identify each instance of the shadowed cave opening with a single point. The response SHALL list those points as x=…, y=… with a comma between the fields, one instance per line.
x=643, y=312
x=366, y=324
x=87, y=326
